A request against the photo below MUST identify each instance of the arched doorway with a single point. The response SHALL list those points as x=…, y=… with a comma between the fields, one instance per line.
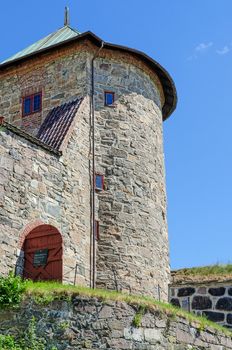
x=43, y=254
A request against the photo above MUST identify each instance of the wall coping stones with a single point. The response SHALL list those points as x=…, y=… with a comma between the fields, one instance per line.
x=179, y=278
x=28, y=137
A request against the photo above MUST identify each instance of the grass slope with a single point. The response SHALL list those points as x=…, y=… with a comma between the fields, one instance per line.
x=211, y=270
x=45, y=292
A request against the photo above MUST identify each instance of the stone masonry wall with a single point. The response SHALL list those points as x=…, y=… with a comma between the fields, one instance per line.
x=93, y=324
x=133, y=245
x=61, y=77
x=37, y=186
x=132, y=250
x=213, y=300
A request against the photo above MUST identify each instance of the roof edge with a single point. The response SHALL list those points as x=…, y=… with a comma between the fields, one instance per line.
x=167, y=82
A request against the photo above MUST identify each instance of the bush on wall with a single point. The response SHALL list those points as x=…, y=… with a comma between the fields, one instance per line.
x=11, y=290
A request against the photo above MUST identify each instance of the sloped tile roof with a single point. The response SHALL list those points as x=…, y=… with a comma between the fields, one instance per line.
x=61, y=35
x=55, y=126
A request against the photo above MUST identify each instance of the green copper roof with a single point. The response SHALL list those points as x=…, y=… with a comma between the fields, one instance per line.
x=57, y=37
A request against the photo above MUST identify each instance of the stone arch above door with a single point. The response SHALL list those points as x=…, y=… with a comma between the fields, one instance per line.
x=29, y=227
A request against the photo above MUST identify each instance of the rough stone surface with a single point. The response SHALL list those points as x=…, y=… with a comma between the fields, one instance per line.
x=229, y=318
x=207, y=300
x=132, y=251
x=175, y=302
x=214, y=316
x=224, y=304
x=133, y=245
x=201, y=303
x=183, y=292
x=217, y=291
x=85, y=324
x=40, y=187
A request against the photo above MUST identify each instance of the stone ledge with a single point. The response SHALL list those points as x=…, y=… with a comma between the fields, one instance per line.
x=29, y=137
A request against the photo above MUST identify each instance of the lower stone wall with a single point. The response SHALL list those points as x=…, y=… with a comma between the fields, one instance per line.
x=86, y=323
x=213, y=300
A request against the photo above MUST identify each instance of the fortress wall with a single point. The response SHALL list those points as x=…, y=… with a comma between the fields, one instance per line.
x=213, y=300
x=38, y=186
x=133, y=245
x=86, y=323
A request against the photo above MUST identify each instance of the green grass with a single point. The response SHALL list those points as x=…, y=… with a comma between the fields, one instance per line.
x=49, y=291
x=211, y=270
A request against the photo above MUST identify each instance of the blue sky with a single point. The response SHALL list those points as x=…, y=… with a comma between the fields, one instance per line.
x=193, y=41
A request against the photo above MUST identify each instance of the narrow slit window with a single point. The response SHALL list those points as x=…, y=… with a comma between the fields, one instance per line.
x=32, y=104
x=99, y=182
x=97, y=230
x=109, y=98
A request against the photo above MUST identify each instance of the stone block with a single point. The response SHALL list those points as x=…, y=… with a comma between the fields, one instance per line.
x=224, y=304
x=6, y=163
x=217, y=291
x=136, y=334
x=153, y=335
x=229, y=318
x=201, y=290
x=15, y=154
x=175, y=302
x=119, y=344
x=201, y=303
x=184, y=337
x=185, y=292
x=214, y=316
x=106, y=312
x=18, y=169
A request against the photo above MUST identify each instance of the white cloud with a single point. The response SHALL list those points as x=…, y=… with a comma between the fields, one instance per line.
x=203, y=46
x=224, y=50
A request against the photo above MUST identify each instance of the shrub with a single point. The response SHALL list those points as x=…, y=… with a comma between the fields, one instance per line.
x=7, y=342
x=11, y=290
x=137, y=320
x=30, y=341
x=27, y=341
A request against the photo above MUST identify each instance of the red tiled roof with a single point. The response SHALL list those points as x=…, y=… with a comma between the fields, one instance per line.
x=56, y=124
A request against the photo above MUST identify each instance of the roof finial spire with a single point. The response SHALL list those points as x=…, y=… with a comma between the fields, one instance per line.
x=66, y=16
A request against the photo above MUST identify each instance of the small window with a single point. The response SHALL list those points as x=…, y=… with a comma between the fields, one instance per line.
x=99, y=182
x=109, y=98
x=97, y=230
x=37, y=102
x=32, y=104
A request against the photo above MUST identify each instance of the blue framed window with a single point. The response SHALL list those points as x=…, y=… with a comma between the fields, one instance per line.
x=32, y=104
x=109, y=98
x=99, y=182
x=27, y=106
x=37, y=102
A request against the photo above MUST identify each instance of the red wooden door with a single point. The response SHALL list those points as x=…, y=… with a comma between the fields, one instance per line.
x=43, y=254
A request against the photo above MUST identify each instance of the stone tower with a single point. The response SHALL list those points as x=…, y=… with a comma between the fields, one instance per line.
x=132, y=252
x=77, y=109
